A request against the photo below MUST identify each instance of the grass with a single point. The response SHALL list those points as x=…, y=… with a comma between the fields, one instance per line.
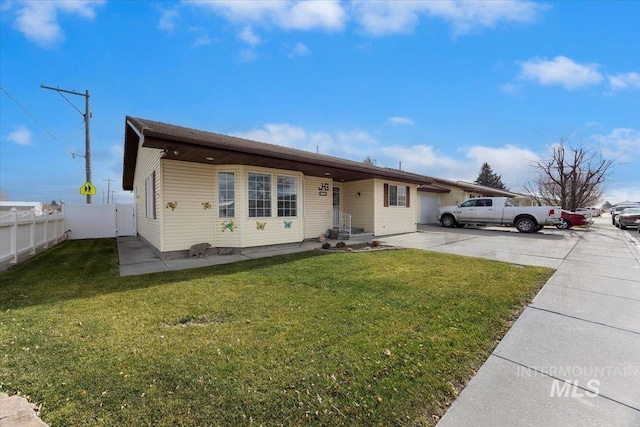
x=383, y=338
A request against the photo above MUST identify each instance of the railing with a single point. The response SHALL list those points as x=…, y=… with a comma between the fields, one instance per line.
x=28, y=234
x=342, y=220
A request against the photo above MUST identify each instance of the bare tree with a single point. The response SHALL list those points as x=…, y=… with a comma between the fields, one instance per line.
x=571, y=177
x=369, y=161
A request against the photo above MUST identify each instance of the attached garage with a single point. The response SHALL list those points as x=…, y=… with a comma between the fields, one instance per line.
x=429, y=196
x=429, y=209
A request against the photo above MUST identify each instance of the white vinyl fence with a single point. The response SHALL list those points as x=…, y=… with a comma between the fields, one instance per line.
x=99, y=221
x=24, y=235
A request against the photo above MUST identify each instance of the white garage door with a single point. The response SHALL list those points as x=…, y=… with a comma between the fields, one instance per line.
x=428, y=209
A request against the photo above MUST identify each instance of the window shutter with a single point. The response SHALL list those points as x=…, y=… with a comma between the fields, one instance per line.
x=386, y=195
x=408, y=193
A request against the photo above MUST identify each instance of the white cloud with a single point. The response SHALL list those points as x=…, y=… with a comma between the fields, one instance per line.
x=288, y=14
x=299, y=50
x=622, y=144
x=168, y=19
x=400, y=121
x=379, y=18
x=353, y=144
x=249, y=37
x=38, y=20
x=510, y=89
x=624, y=81
x=511, y=162
x=21, y=136
x=561, y=71
x=202, y=37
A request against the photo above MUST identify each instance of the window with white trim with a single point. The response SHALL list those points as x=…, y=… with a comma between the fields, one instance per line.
x=259, y=195
x=397, y=195
x=150, y=195
x=226, y=195
x=287, y=196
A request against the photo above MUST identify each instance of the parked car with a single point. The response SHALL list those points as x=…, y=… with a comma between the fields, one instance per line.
x=499, y=211
x=627, y=218
x=619, y=208
x=570, y=219
x=615, y=210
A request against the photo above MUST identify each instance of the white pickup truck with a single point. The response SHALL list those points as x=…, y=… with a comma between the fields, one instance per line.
x=499, y=211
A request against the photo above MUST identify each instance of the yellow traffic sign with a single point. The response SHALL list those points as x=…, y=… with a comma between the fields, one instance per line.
x=88, y=189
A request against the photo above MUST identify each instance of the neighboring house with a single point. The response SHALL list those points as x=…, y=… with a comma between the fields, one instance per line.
x=459, y=191
x=192, y=186
x=22, y=208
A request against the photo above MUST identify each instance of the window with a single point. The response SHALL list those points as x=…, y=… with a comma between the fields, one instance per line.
x=226, y=195
x=484, y=202
x=259, y=195
x=468, y=204
x=150, y=195
x=287, y=196
x=397, y=195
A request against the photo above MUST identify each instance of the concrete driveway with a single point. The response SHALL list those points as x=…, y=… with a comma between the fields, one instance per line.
x=548, y=248
x=573, y=356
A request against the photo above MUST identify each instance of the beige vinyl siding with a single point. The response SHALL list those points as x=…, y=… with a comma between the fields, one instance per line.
x=360, y=208
x=274, y=231
x=148, y=161
x=318, y=210
x=395, y=219
x=455, y=196
x=190, y=185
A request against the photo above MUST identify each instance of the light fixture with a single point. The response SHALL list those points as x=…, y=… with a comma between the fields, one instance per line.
x=211, y=158
x=358, y=194
x=327, y=174
x=168, y=149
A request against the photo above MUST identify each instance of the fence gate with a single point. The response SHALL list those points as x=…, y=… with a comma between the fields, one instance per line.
x=125, y=220
x=99, y=221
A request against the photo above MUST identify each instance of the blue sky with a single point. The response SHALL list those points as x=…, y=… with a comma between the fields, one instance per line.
x=437, y=86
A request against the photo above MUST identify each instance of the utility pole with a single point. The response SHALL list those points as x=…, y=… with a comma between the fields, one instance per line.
x=87, y=134
x=109, y=189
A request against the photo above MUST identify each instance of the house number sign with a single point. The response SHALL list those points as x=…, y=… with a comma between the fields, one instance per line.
x=323, y=189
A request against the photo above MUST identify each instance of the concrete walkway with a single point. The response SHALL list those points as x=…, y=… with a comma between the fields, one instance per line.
x=15, y=411
x=136, y=257
x=573, y=356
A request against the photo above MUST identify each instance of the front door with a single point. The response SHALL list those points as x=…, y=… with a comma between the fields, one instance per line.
x=336, y=207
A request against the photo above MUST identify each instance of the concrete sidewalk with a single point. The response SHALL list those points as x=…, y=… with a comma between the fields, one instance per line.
x=573, y=356
x=136, y=257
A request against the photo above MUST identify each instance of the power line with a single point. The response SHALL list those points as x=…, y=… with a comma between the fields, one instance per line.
x=73, y=155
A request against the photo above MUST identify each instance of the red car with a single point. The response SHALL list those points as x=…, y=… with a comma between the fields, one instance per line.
x=570, y=219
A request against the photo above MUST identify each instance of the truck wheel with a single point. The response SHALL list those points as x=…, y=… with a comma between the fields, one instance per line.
x=526, y=225
x=448, y=221
x=564, y=224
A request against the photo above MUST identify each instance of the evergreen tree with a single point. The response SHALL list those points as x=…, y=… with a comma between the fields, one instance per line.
x=488, y=178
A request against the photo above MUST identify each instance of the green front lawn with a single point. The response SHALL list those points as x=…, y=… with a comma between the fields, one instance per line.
x=384, y=338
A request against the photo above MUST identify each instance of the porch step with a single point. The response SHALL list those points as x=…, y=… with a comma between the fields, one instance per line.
x=343, y=235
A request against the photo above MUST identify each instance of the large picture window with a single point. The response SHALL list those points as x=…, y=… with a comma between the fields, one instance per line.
x=150, y=195
x=287, y=196
x=259, y=195
x=226, y=195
